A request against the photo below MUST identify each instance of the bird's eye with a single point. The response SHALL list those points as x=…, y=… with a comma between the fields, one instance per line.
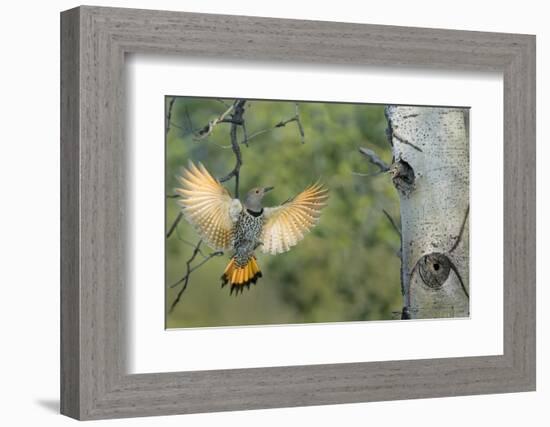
x=257, y=191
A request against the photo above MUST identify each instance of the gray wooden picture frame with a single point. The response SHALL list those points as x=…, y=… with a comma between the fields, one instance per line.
x=94, y=382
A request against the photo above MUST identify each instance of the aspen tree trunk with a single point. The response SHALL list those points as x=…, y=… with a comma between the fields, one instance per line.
x=431, y=173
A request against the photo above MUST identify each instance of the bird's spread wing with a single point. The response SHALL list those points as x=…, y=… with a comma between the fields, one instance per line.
x=208, y=206
x=286, y=225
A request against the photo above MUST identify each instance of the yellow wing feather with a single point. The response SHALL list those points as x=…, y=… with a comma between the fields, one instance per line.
x=288, y=223
x=208, y=206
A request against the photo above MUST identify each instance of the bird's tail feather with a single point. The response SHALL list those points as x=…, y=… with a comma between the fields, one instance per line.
x=240, y=276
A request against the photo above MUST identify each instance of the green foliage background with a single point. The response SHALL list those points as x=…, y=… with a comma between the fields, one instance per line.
x=346, y=269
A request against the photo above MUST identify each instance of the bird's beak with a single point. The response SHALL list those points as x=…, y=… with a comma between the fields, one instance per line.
x=266, y=189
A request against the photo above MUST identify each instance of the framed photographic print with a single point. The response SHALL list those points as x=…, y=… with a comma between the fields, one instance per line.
x=349, y=265
x=261, y=213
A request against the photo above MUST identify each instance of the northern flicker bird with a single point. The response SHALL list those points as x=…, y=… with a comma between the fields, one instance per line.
x=227, y=224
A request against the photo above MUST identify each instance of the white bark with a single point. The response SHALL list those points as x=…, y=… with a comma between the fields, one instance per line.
x=431, y=173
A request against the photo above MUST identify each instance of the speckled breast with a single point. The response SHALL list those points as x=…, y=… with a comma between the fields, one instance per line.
x=247, y=235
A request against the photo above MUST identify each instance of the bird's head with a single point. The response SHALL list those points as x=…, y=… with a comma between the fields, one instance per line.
x=254, y=198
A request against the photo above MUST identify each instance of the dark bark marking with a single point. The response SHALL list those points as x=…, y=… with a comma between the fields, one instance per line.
x=405, y=141
x=434, y=269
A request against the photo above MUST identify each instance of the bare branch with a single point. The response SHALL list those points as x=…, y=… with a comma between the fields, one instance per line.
x=185, y=279
x=282, y=123
x=206, y=258
x=177, y=126
x=188, y=243
x=237, y=117
x=174, y=225
x=221, y=101
x=299, y=123
x=367, y=175
x=169, y=114
x=188, y=117
x=374, y=159
x=393, y=223
x=186, y=127
x=209, y=128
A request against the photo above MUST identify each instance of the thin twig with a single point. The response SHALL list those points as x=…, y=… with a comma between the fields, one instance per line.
x=199, y=265
x=299, y=123
x=185, y=279
x=196, y=250
x=188, y=117
x=187, y=128
x=221, y=101
x=366, y=175
x=188, y=243
x=178, y=126
x=282, y=123
x=209, y=128
x=374, y=159
x=393, y=223
x=169, y=114
x=174, y=224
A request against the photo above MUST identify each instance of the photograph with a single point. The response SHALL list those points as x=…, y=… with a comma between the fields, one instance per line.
x=293, y=212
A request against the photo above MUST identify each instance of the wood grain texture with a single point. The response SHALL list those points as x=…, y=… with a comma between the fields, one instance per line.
x=94, y=239
x=70, y=292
